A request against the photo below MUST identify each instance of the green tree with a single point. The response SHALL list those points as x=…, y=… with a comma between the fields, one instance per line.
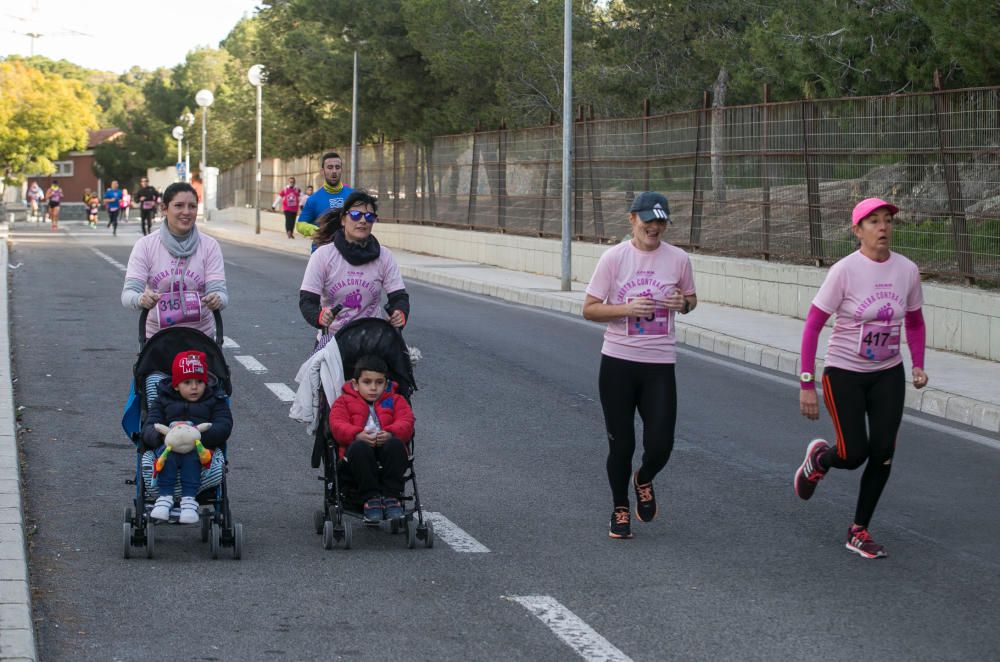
x=42, y=115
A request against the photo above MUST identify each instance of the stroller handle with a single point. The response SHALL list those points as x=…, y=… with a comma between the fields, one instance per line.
x=336, y=311
x=219, y=339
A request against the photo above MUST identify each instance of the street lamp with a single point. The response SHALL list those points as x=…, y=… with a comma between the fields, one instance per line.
x=178, y=134
x=257, y=76
x=204, y=99
x=188, y=119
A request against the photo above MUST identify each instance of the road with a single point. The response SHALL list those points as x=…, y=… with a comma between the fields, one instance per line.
x=510, y=451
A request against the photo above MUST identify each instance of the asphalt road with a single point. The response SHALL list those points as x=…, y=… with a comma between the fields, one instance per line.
x=510, y=450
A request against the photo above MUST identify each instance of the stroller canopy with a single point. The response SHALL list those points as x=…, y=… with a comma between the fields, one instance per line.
x=370, y=335
x=157, y=354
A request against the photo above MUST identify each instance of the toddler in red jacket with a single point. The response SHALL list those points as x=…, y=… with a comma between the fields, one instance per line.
x=373, y=428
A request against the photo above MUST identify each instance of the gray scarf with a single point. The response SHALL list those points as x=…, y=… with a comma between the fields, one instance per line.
x=184, y=246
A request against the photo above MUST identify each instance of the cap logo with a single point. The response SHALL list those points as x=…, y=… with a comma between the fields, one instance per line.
x=191, y=364
x=658, y=211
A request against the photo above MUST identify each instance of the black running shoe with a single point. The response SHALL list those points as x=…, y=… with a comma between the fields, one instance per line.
x=621, y=523
x=860, y=542
x=810, y=473
x=645, y=500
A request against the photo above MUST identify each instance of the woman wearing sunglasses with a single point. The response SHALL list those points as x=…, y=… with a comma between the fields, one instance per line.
x=351, y=270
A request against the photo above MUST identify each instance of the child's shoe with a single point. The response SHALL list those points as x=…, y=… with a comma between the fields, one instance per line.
x=161, y=509
x=373, y=510
x=189, y=510
x=393, y=508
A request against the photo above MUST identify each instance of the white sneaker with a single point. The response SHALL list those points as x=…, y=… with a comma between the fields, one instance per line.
x=189, y=510
x=161, y=509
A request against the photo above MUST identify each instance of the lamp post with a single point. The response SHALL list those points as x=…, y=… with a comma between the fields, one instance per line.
x=204, y=99
x=354, y=124
x=188, y=119
x=257, y=75
x=178, y=134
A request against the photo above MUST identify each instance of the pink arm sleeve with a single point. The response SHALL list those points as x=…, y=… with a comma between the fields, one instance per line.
x=916, y=336
x=810, y=340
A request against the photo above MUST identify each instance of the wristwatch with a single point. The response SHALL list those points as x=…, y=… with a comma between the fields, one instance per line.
x=806, y=377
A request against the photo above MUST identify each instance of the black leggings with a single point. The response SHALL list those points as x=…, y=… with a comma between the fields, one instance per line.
x=651, y=388
x=146, y=216
x=113, y=219
x=851, y=397
x=290, y=220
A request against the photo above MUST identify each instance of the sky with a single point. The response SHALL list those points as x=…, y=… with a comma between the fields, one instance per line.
x=114, y=35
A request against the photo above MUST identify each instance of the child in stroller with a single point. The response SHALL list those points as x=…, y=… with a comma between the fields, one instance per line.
x=185, y=396
x=154, y=363
x=373, y=427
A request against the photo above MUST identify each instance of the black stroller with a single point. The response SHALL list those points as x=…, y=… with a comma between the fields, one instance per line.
x=341, y=501
x=156, y=355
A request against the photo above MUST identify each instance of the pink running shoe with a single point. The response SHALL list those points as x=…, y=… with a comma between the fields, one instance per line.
x=809, y=474
x=860, y=542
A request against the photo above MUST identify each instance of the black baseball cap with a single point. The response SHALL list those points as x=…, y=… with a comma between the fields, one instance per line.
x=651, y=206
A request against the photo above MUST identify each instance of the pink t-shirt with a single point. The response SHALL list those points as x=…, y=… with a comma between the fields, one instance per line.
x=358, y=288
x=870, y=300
x=290, y=198
x=625, y=272
x=151, y=263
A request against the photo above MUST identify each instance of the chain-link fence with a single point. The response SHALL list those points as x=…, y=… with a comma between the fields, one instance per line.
x=773, y=180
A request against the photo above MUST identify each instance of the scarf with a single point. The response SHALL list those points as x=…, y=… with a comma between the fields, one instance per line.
x=179, y=246
x=356, y=253
x=333, y=189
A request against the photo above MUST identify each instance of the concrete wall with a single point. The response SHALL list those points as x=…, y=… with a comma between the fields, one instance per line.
x=960, y=319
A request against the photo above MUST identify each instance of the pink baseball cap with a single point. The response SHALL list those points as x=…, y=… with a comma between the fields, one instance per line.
x=867, y=206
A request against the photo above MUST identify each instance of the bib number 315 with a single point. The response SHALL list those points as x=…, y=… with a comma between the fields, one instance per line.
x=655, y=324
x=178, y=307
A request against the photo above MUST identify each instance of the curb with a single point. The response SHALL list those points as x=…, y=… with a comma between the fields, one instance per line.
x=934, y=402
x=17, y=632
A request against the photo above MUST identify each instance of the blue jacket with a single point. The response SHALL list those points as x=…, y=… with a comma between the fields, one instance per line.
x=321, y=202
x=169, y=406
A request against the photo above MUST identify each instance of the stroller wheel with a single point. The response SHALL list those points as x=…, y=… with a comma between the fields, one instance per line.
x=150, y=541
x=328, y=540
x=206, y=523
x=428, y=534
x=128, y=514
x=238, y=541
x=411, y=533
x=319, y=517
x=127, y=540
x=348, y=533
x=215, y=539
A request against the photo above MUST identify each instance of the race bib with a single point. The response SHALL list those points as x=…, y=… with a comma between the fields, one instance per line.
x=291, y=200
x=878, y=342
x=656, y=324
x=148, y=204
x=178, y=307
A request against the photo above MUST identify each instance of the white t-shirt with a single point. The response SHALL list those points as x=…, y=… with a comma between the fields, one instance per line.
x=358, y=288
x=151, y=263
x=625, y=272
x=870, y=300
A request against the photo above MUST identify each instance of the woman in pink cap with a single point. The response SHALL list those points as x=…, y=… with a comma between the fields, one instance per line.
x=873, y=292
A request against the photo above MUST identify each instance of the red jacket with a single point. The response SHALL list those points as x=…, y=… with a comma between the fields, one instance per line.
x=349, y=414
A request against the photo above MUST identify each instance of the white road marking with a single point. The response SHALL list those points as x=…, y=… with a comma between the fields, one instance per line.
x=251, y=364
x=228, y=342
x=453, y=536
x=284, y=393
x=110, y=260
x=567, y=626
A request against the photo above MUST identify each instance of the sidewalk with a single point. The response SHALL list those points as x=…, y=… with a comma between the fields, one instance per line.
x=963, y=389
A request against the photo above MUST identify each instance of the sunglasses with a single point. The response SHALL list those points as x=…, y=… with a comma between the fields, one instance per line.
x=370, y=217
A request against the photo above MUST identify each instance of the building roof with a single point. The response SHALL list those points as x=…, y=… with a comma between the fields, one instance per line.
x=98, y=136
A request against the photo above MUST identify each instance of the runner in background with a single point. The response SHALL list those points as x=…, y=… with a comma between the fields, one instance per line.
x=873, y=292
x=126, y=205
x=35, y=197
x=113, y=202
x=93, y=206
x=146, y=198
x=54, y=195
x=289, y=199
x=638, y=287
x=331, y=195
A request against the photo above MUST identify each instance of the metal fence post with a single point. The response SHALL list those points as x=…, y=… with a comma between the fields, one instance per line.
x=577, y=190
x=545, y=174
x=697, y=193
x=595, y=190
x=473, y=178
x=645, y=144
x=502, y=176
x=765, y=180
x=812, y=186
x=395, y=180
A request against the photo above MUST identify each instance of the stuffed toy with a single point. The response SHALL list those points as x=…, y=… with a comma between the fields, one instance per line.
x=182, y=437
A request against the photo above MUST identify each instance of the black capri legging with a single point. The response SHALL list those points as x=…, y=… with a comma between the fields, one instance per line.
x=866, y=408
x=652, y=389
x=290, y=220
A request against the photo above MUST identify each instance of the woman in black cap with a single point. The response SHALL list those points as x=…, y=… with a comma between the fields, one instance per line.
x=637, y=288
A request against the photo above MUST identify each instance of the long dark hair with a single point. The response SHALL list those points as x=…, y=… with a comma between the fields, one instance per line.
x=330, y=222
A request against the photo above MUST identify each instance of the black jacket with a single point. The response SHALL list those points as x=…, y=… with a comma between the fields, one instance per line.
x=169, y=406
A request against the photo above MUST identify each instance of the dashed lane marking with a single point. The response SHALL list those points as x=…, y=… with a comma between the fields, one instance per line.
x=570, y=628
x=251, y=364
x=453, y=536
x=229, y=343
x=110, y=260
x=284, y=393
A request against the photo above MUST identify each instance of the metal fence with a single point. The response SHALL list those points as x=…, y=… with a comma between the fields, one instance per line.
x=773, y=180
